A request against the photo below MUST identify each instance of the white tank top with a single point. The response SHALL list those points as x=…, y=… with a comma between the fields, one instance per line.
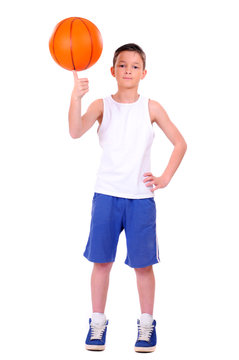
x=125, y=135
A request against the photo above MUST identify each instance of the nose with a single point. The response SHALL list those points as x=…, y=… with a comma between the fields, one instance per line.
x=127, y=70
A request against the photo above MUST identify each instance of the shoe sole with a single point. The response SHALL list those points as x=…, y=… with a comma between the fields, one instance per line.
x=95, y=347
x=144, y=349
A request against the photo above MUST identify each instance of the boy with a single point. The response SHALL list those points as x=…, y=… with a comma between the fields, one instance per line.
x=124, y=189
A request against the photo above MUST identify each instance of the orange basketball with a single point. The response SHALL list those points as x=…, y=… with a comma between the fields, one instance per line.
x=75, y=44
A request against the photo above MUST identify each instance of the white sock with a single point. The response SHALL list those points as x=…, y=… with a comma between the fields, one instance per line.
x=98, y=318
x=146, y=319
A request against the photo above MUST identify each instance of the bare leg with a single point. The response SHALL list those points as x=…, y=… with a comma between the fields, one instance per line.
x=99, y=286
x=146, y=288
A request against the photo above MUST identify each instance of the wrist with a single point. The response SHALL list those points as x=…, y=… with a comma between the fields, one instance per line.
x=165, y=179
x=76, y=97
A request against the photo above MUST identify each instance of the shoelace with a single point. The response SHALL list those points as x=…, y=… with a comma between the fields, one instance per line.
x=97, y=331
x=145, y=332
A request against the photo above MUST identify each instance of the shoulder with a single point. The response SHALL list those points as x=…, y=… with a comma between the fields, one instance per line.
x=154, y=106
x=97, y=107
x=97, y=104
x=94, y=111
x=156, y=111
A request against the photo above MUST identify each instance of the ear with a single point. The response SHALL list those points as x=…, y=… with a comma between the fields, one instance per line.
x=144, y=74
x=112, y=69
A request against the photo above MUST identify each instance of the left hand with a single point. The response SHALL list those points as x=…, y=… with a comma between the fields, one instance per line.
x=159, y=182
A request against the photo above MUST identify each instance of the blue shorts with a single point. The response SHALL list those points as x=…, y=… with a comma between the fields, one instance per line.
x=109, y=216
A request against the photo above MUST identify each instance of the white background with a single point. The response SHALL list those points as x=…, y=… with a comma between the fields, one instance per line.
x=47, y=182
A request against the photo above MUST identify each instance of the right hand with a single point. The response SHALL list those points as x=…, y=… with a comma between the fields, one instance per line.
x=81, y=86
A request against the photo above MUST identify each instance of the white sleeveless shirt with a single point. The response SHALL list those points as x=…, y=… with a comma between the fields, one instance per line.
x=125, y=135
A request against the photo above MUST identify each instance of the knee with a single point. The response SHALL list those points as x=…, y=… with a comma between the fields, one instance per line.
x=103, y=267
x=144, y=270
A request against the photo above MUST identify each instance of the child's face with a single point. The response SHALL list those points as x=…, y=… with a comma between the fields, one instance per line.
x=128, y=69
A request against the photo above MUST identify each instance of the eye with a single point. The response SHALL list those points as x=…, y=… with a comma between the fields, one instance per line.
x=121, y=65
x=135, y=67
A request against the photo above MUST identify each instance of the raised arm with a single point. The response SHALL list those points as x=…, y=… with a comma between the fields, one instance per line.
x=79, y=124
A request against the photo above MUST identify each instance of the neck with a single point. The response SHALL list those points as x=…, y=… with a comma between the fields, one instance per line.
x=126, y=95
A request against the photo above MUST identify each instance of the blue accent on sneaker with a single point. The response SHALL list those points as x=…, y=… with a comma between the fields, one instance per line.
x=96, y=336
x=147, y=339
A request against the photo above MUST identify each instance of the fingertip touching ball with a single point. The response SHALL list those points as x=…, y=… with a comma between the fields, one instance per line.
x=75, y=44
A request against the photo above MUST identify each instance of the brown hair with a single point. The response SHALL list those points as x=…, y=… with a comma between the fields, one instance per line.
x=130, y=47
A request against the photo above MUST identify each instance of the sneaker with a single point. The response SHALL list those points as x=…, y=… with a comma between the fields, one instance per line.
x=96, y=336
x=146, y=341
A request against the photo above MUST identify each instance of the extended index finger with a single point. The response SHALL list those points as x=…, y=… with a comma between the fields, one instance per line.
x=75, y=75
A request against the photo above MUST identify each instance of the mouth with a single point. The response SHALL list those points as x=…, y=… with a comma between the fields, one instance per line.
x=127, y=78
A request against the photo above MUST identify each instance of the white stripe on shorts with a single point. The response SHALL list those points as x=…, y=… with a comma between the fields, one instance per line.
x=157, y=246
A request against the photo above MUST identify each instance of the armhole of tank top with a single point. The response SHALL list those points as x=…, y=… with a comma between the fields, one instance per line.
x=150, y=122
x=100, y=126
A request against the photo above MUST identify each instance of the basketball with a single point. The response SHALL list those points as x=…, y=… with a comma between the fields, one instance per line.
x=75, y=44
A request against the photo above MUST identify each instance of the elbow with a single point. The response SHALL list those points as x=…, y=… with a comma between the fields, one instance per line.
x=74, y=135
x=74, y=132
x=181, y=145
x=184, y=146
